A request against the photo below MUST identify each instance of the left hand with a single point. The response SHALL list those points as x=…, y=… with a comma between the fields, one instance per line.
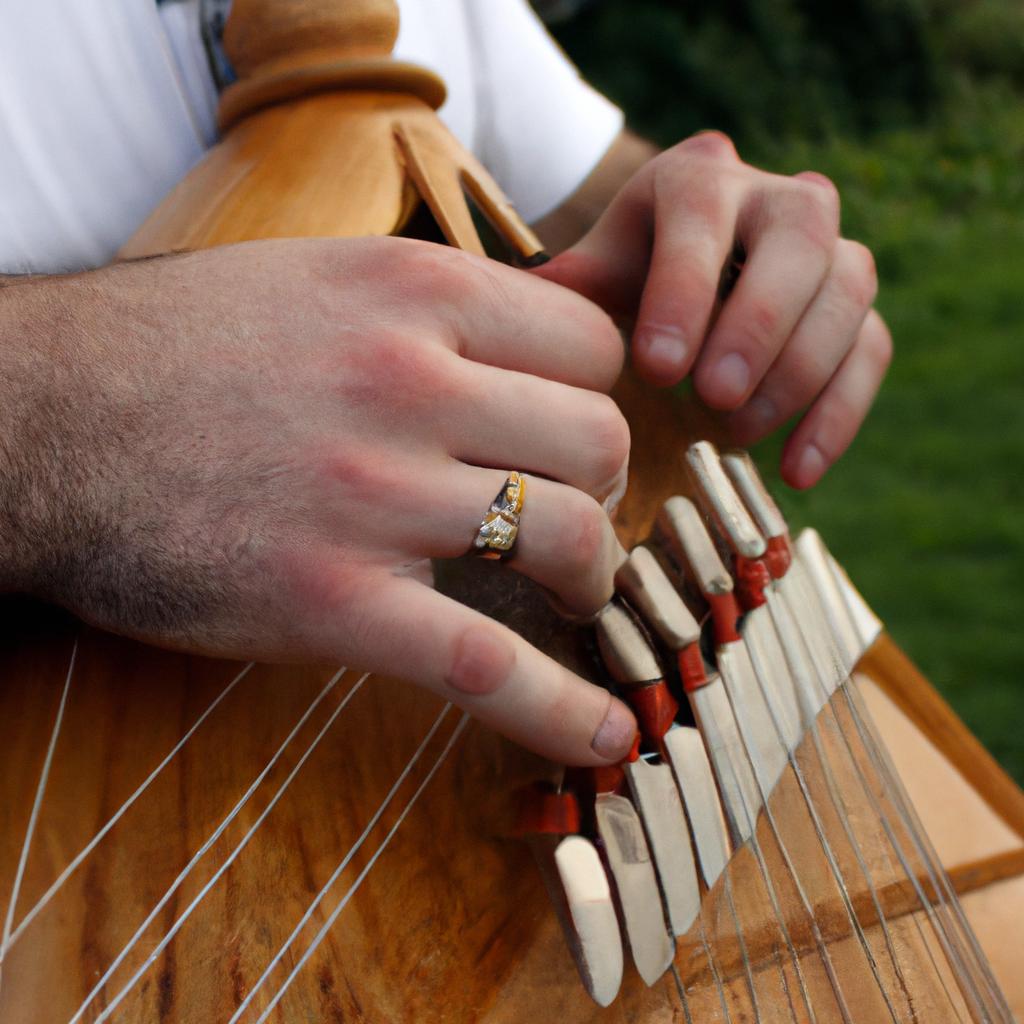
x=796, y=332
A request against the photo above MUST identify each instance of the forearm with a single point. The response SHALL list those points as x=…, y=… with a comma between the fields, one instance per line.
x=564, y=226
x=20, y=323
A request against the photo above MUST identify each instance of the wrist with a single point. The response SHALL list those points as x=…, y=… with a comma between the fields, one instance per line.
x=33, y=326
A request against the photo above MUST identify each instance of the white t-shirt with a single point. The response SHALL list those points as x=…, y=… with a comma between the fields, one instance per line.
x=106, y=104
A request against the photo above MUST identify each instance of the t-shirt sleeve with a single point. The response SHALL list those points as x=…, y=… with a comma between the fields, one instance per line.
x=541, y=129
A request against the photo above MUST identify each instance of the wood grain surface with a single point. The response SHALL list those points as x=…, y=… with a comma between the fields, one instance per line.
x=341, y=846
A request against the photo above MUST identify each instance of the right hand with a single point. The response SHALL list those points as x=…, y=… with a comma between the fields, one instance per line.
x=255, y=451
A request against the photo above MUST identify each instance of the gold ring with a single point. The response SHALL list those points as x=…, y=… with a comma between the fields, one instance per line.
x=500, y=526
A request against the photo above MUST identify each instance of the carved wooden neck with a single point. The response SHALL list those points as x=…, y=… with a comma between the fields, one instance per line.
x=283, y=49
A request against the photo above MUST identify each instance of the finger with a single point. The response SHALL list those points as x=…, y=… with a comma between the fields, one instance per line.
x=658, y=251
x=789, y=230
x=695, y=209
x=820, y=342
x=407, y=630
x=566, y=542
x=540, y=426
x=504, y=317
x=831, y=423
x=415, y=509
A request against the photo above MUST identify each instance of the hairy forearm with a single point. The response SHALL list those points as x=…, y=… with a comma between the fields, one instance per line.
x=564, y=226
x=21, y=372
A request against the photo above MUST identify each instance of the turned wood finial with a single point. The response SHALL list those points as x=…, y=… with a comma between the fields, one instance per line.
x=266, y=35
x=282, y=49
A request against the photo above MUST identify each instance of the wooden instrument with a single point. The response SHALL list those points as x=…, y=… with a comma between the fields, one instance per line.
x=190, y=840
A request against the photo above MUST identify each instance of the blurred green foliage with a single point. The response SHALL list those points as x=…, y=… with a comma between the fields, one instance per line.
x=765, y=69
x=914, y=109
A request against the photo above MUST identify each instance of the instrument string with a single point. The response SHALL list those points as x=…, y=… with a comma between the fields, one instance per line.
x=755, y=847
x=73, y=866
x=770, y=891
x=822, y=838
x=950, y=946
x=836, y=654
x=37, y=803
x=715, y=973
x=682, y=994
x=786, y=992
x=744, y=955
x=757, y=852
x=817, y=629
x=840, y=883
x=879, y=910
x=819, y=940
x=343, y=864
x=989, y=1003
x=954, y=904
x=354, y=888
x=883, y=820
x=209, y=843
x=769, y=887
x=843, y=814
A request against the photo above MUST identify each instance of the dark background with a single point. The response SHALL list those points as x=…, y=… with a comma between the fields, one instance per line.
x=914, y=108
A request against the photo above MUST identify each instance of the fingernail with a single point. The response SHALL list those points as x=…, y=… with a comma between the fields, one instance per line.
x=756, y=417
x=729, y=379
x=615, y=734
x=810, y=466
x=664, y=348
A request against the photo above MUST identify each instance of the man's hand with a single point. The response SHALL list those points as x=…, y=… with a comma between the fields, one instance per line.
x=255, y=452
x=796, y=332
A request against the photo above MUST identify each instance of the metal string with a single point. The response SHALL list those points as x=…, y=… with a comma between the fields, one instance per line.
x=327, y=925
x=952, y=946
x=823, y=839
x=682, y=994
x=745, y=957
x=206, y=846
x=755, y=848
x=883, y=921
x=37, y=803
x=954, y=904
x=711, y=964
x=808, y=909
x=945, y=895
x=949, y=945
x=824, y=635
x=345, y=861
x=951, y=954
x=59, y=881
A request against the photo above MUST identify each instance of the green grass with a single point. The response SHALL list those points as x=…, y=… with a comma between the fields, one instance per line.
x=925, y=510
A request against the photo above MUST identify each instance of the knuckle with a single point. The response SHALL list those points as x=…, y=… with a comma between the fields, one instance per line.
x=434, y=273
x=803, y=382
x=879, y=343
x=860, y=279
x=361, y=475
x=326, y=588
x=497, y=296
x=586, y=527
x=712, y=144
x=394, y=375
x=824, y=184
x=817, y=215
x=609, y=438
x=609, y=353
x=482, y=660
x=757, y=329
